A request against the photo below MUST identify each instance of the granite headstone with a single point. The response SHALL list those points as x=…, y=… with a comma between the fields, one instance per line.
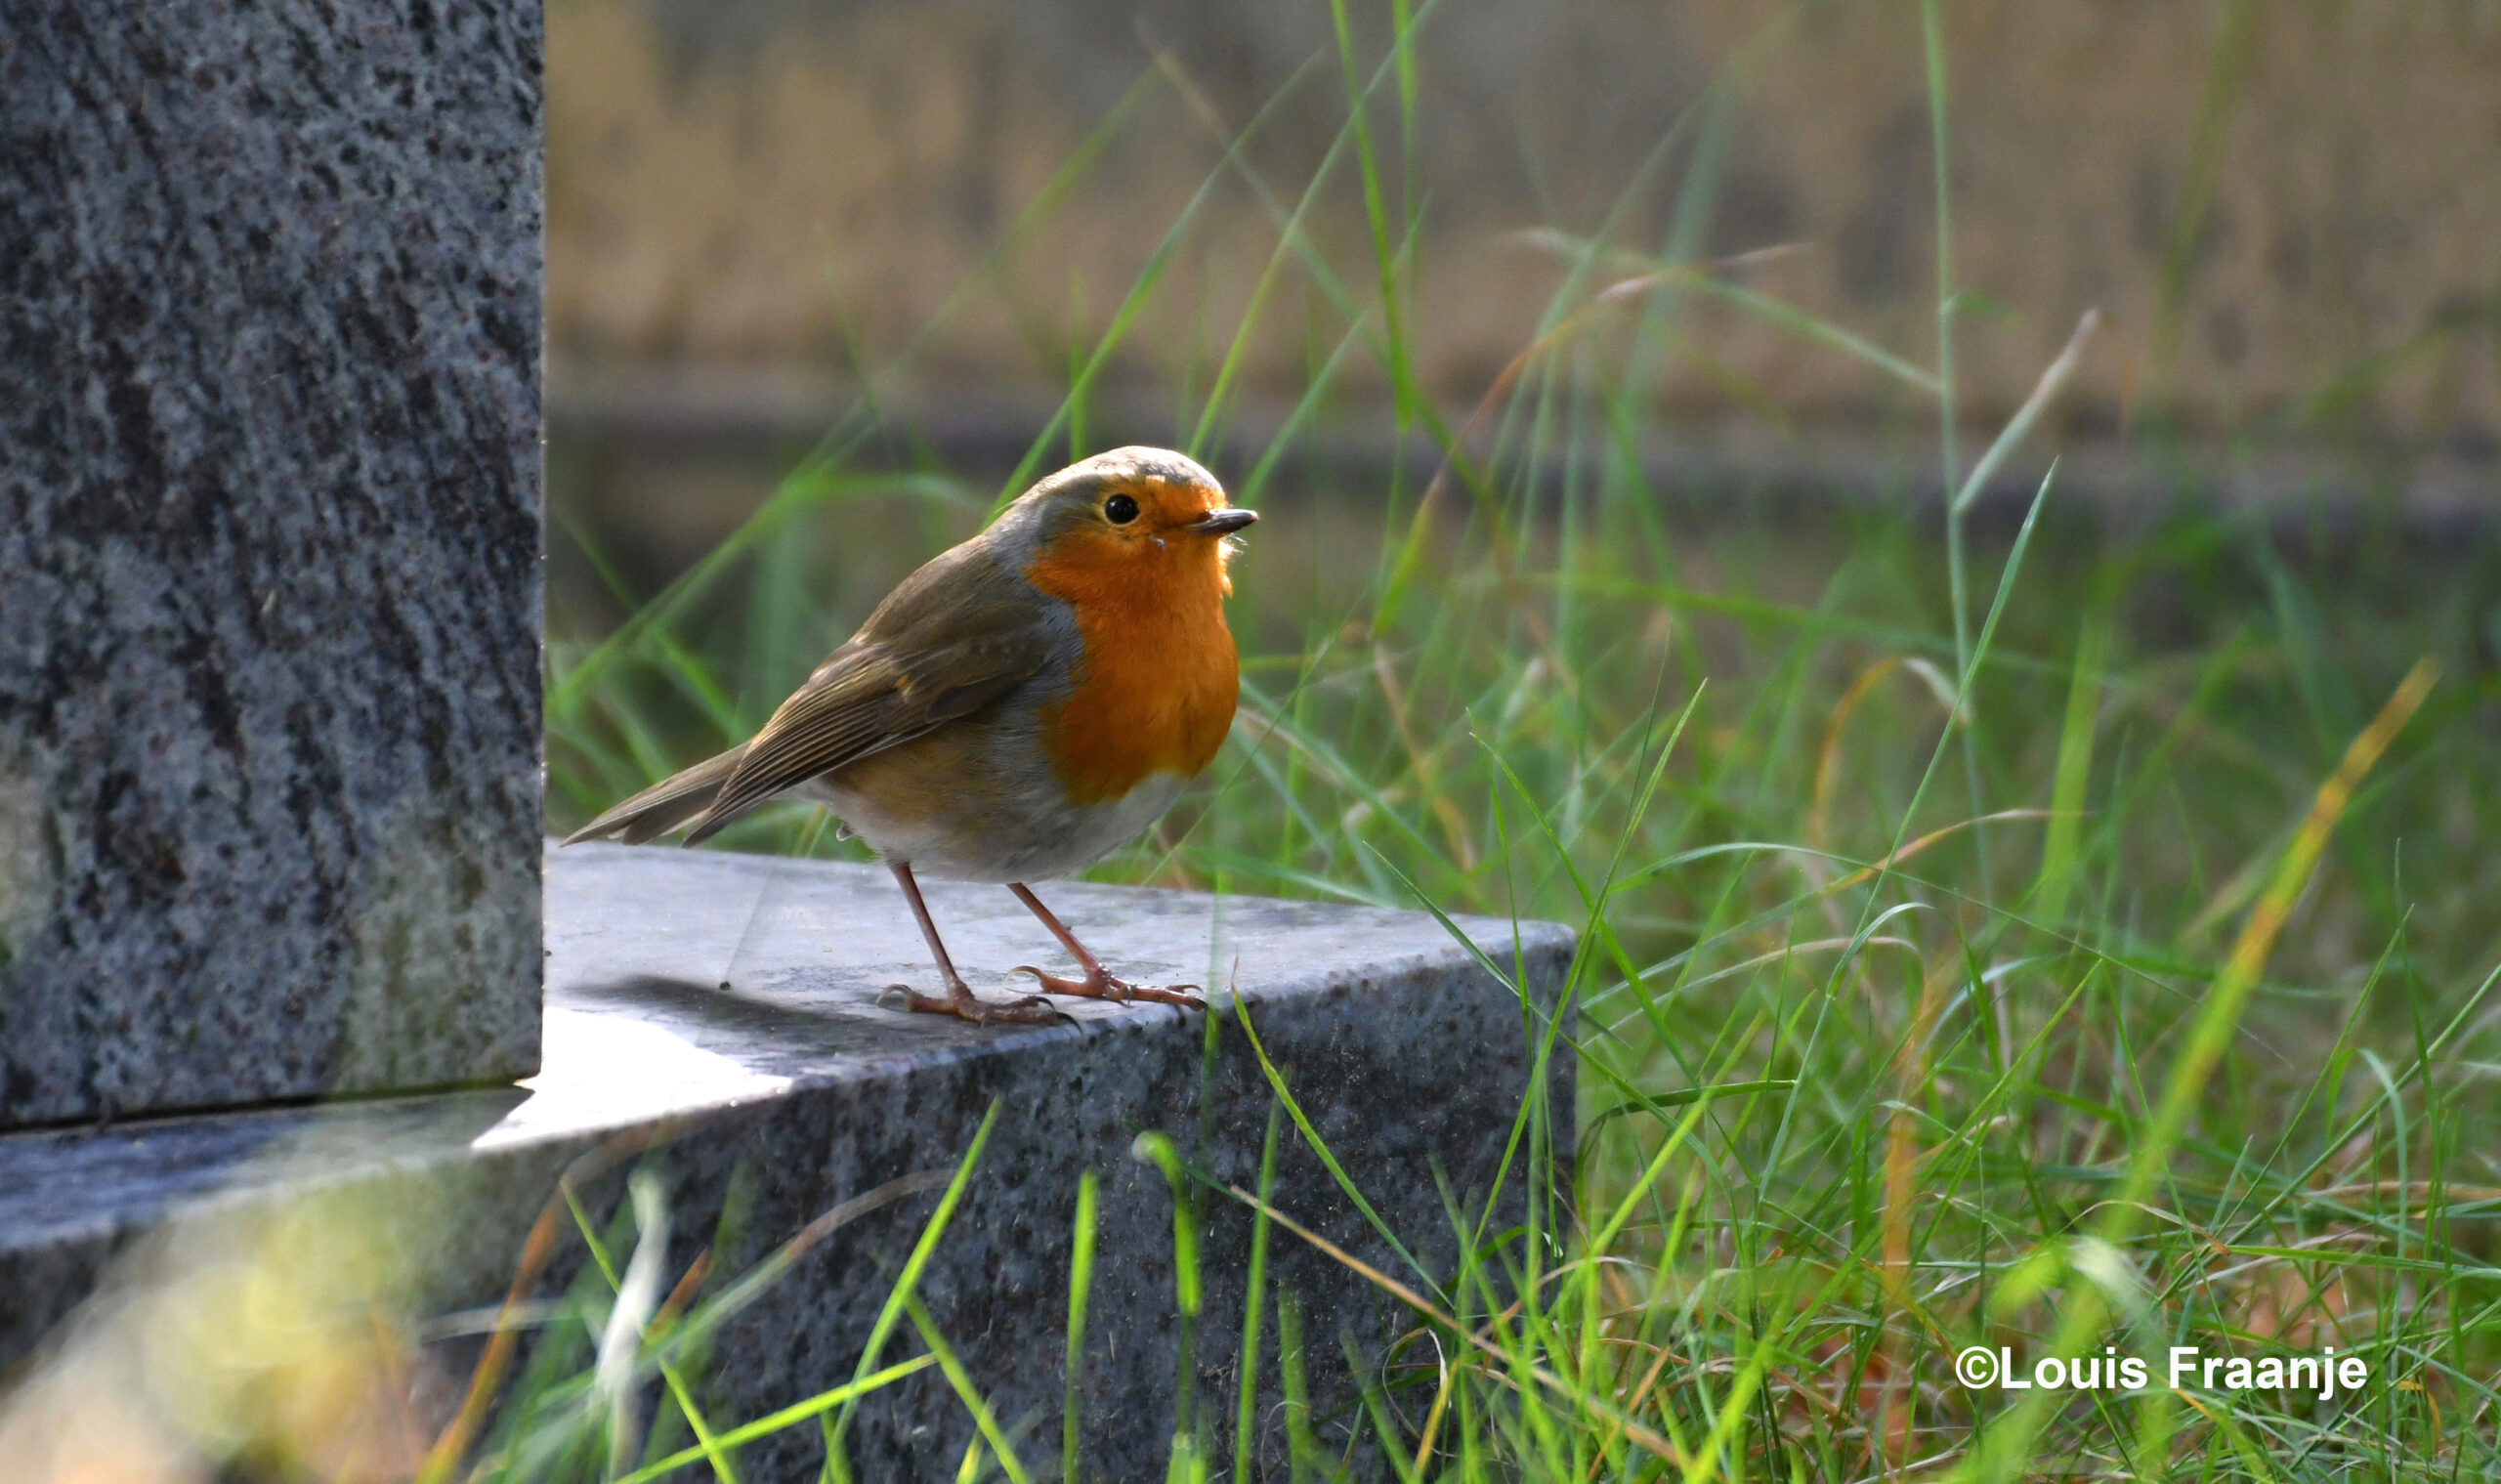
x=268, y=551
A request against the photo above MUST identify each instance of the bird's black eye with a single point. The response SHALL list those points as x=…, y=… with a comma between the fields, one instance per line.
x=1120, y=510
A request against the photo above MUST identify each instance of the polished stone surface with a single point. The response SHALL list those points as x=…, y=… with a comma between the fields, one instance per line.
x=268, y=551
x=794, y=1078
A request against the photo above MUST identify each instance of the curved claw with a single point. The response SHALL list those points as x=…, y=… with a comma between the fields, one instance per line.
x=1102, y=986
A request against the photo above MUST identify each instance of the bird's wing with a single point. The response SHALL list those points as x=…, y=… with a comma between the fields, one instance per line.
x=957, y=635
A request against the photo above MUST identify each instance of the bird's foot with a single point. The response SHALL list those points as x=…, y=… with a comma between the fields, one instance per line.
x=1099, y=984
x=962, y=1003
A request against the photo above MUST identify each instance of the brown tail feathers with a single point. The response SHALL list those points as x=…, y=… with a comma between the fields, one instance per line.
x=664, y=806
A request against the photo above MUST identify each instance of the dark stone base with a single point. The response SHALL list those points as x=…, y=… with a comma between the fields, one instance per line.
x=795, y=1083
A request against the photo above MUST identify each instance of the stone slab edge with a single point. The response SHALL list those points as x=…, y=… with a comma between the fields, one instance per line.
x=1413, y=1075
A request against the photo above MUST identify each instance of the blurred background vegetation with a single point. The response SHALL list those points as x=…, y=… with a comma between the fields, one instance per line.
x=756, y=204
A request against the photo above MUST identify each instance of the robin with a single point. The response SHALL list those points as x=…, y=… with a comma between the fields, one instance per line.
x=1017, y=710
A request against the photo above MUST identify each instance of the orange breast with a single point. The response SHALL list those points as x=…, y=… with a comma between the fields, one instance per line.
x=1160, y=679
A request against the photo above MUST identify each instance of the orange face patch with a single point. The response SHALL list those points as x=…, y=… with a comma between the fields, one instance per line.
x=1157, y=689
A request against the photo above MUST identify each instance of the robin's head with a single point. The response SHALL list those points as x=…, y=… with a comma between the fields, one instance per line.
x=1135, y=514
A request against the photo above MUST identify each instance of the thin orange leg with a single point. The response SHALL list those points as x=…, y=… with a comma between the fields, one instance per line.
x=960, y=999
x=1097, y=983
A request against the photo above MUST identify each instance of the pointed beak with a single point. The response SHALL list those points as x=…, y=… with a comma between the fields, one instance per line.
x=1219, y=522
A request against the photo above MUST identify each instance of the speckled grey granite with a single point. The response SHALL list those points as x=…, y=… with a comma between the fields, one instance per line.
x=1408, y=1056
x=269, y=550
